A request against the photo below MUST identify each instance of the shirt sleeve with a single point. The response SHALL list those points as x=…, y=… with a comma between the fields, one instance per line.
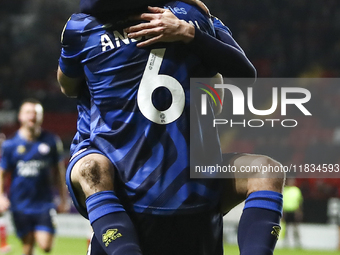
x=222, y=53
x=71, y=50
x=224, y=34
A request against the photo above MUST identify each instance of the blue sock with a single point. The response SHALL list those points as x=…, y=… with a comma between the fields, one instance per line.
x=95, y=248
x=259, y=225
x=112, y=226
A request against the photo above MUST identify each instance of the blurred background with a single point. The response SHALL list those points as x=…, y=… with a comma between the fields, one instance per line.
x=283, y=39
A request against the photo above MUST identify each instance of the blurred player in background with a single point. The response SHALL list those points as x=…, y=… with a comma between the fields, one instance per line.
x=4, y=246
x=33, y=159
x=253, y=198
x=292, y=211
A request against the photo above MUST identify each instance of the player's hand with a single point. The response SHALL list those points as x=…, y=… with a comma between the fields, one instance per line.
x=4, y=203
x=63, y=207
x=163, y=26
x=200, y=4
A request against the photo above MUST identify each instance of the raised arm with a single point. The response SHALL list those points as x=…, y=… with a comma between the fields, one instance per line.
x=222, y=53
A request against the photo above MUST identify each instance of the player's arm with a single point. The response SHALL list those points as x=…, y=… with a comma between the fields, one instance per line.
x=163, y=26
x=69, y=86
x=222, y=54
x=4, y=202
x=64, y=205
x=70, y=73
x=59, y=174
x=4, y=165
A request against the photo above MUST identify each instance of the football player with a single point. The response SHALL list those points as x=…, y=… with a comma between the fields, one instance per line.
x=74, y=88
x=33, y=159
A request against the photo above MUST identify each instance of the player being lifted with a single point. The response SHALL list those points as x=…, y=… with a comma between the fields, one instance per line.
x=146, y=178
x=160, y=187
x=33, y=159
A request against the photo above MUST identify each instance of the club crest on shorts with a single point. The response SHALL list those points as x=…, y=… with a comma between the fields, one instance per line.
x=276, y=231
x=110, y=235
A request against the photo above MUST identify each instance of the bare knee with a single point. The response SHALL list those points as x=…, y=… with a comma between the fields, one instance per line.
x=270, y=177
x=44, y=240
x=93, y=174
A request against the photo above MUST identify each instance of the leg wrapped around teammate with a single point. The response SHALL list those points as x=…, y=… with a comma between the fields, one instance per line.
x=112, y=226
x=259, y=224
x=92, y=178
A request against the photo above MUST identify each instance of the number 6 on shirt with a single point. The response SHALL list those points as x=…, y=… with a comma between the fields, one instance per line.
x=152, y=80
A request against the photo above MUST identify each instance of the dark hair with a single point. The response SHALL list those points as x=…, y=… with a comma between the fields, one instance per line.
x=30, y=100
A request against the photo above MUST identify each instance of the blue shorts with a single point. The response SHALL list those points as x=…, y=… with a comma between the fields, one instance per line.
x=26, y=223
x=75, y=158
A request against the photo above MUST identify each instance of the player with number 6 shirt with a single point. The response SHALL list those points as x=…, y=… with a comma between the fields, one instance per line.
x=140, y=121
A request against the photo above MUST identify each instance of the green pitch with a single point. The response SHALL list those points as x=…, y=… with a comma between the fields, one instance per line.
x=62, y=246
x=78, y=246
x=233, y=250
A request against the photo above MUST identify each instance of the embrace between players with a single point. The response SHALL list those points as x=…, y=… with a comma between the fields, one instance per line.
x=130, y=172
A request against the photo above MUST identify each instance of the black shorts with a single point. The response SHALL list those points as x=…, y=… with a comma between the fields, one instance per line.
x=188, y=234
